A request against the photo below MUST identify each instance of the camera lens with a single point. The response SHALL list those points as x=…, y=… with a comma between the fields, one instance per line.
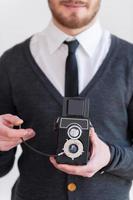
x=74, y=132
x=73, y=148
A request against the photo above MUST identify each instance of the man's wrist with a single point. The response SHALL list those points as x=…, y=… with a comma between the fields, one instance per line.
x=112, y=152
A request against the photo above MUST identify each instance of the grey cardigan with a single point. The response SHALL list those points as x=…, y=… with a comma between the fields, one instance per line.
x=26, y=91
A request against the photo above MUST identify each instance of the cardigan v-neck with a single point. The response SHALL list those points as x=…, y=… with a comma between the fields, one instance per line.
x=50, y=53
x=41, y=75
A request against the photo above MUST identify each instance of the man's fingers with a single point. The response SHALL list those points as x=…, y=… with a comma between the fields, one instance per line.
x=69, y=169
x=29, y=137
x=93, y=137
x=53, y=161
x=85, y=170
x=11, y=120
x=6, y=146
x=93, y=141
x=17, y=133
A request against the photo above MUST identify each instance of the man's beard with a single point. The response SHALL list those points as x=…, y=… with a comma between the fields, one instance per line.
x=74, y=21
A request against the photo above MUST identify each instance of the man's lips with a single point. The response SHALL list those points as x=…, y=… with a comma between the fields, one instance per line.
x=73, y=5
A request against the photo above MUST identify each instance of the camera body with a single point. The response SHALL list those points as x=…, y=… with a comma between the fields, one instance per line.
x=73, y=132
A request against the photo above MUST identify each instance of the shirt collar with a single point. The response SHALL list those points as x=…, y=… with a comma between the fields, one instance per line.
x=54, y=36
x=88, y=39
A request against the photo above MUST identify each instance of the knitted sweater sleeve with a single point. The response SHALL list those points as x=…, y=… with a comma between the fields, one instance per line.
x=6, y=106
x=121, y=163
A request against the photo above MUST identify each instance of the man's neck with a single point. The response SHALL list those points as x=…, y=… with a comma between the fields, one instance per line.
x=73, y=32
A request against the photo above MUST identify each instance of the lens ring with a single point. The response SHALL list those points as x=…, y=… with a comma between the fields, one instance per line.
x=76, y=154
x=74, y=132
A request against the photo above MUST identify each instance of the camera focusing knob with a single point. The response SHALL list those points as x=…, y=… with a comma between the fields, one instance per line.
x=73, y=148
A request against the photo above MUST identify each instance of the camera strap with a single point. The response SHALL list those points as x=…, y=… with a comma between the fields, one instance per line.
x=38, y=151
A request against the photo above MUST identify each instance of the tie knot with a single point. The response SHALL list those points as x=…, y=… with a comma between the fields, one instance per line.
x=72, y=45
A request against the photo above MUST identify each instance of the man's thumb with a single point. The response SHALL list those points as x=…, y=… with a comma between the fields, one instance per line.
x=93, y=137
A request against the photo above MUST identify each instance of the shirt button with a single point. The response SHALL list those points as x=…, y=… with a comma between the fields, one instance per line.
x=71, y=187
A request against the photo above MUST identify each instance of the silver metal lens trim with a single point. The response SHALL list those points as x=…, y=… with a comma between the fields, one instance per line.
x=73, y=155
x=74, y=127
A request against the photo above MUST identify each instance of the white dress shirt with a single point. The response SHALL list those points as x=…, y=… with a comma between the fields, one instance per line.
x=50, y=53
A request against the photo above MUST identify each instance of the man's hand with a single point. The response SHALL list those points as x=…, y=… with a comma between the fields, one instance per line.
x=100, y=157
x=9, y=137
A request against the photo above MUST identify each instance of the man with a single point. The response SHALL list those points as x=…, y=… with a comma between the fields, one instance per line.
x=33, y=79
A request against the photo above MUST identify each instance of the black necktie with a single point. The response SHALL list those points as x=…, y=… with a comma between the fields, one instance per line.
x=71, y=74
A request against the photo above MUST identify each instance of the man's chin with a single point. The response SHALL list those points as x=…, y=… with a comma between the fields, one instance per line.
x=74, y=23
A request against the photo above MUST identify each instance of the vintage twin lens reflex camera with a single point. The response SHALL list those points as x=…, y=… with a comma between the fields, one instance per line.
x=73, y=132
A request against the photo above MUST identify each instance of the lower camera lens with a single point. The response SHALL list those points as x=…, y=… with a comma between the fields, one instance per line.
x=73, y=148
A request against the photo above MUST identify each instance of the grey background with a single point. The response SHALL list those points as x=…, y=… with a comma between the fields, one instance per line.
x=20, y=19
